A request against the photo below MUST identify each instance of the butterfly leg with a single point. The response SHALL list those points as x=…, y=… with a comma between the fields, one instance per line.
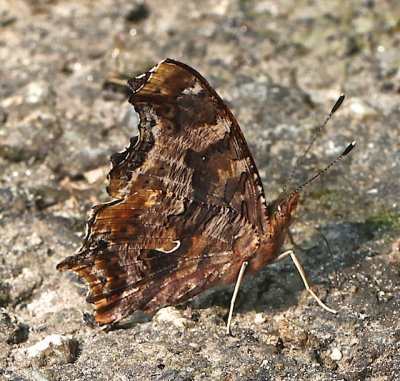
x=304, y=278
x=235, y=292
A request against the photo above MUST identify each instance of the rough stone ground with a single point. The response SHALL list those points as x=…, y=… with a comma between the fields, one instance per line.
x=280, y=65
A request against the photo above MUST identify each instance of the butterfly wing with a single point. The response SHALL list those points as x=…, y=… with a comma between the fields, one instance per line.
x=190, y=144
x=150, y=250
x=189, y=206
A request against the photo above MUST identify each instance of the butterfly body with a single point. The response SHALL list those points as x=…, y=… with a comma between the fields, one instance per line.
x=188, y=209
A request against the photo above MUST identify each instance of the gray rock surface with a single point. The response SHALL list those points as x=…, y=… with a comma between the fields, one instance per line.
x=280, y=65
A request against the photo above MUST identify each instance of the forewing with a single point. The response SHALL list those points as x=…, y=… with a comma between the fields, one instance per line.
x=190, y=145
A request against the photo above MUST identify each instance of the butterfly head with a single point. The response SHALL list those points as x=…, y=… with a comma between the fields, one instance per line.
x=286, y=208
x=282, y=214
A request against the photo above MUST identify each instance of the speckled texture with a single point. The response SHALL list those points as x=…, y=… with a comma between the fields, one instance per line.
x=280, y=66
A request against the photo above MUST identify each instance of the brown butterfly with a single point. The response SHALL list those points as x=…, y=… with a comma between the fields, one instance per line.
x=189, y=206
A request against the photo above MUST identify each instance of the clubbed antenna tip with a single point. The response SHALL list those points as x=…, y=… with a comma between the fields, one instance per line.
x=349, y=148
x=337, y=104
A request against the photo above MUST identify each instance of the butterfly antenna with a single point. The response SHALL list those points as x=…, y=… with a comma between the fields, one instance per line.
x=322, y=171
x=317, y=134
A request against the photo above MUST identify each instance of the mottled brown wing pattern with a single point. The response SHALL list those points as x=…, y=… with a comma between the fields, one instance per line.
x=160, y=253
x=190, y=145
x=189, y=206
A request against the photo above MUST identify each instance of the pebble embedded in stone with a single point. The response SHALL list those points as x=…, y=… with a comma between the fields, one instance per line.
x=171, y=315
x=336, y=354
x=37, y=92
x=52, y=350
x=259, y=319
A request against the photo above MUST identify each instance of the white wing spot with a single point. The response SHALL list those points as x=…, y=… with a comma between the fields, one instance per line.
x=177, y=245
x=196, y=89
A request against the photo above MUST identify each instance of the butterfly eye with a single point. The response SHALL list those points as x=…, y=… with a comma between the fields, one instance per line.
x=279, y=209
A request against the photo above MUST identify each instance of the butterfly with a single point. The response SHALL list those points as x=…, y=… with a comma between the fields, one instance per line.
x=188, y=206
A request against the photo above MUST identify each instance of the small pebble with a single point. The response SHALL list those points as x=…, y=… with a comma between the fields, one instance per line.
x=37, y=92
x=52, y=350
x=171, y=315
x=259, y=319
x=336, y=354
